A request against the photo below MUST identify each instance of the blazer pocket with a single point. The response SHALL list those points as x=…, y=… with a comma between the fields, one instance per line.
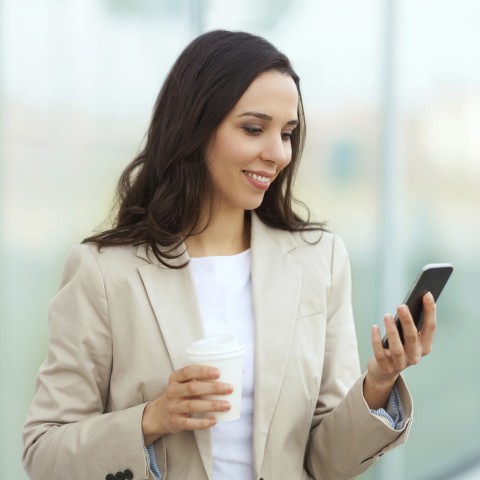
x=310, y=309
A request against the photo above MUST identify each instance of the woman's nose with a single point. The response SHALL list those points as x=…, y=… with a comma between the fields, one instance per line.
x=276, y=151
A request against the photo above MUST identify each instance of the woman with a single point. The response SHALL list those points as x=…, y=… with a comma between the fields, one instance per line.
x=206, y=241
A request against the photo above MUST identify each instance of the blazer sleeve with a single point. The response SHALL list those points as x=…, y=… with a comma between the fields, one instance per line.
x=346, y=438
x=67, y=433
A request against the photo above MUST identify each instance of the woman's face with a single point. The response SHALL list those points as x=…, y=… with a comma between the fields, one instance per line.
x=252, y=144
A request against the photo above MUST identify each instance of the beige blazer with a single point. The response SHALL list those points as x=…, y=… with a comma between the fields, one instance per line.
x=121, y=323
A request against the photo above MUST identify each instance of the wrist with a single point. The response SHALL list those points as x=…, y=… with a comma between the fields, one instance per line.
x=376, y=391
x=381, y=383
x=149, y=430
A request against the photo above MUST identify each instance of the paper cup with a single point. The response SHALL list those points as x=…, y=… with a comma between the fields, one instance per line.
x=226, y=354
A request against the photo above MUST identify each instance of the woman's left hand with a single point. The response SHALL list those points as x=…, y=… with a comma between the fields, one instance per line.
x=386, y=364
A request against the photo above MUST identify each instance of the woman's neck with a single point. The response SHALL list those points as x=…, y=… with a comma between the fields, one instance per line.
x=226, y=235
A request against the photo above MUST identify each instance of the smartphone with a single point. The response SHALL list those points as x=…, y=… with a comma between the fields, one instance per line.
x=432, y=278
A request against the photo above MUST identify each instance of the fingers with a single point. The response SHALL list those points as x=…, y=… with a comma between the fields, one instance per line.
x=387, y=363
x=415, y=344
x=395, y=344
x=418, y=344
x=381, y=355
x=197, y=388
x=378, y=351
x=189, y=407
x=195, y=372
x=193, y=392
x=190, y=423
x=411, y=343
x=397, y=351
x=429, y=323
x=195, y=381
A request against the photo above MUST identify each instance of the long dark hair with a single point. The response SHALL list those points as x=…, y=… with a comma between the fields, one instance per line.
x=166, y=191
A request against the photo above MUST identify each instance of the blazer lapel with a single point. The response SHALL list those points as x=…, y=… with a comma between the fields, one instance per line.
x=276, y=286
x=171, y=293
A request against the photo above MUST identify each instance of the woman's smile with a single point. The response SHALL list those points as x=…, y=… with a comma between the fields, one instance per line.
x=262, y=182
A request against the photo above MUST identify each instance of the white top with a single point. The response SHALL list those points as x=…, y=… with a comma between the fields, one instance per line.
x=224, y=291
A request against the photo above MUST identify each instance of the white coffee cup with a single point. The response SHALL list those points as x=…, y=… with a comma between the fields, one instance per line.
x=225, y=353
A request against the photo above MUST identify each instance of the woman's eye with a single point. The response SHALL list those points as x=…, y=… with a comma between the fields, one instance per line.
x=286, y=136
x=252, y=130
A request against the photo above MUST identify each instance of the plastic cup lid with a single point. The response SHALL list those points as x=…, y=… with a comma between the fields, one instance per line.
x=216, y=344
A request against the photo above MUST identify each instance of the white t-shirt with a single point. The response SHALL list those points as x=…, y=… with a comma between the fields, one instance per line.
x=224, y=291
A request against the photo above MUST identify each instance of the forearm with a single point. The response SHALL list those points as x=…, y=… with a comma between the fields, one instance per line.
x=91, y=448
x=351, y=437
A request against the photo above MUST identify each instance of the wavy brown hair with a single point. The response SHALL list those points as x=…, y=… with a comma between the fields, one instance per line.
x=166, y=191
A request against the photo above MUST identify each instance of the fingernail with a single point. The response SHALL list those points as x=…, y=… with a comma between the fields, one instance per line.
x=229, y=389
x=402, y=308
x=214, y=373
x=226, y=406
x=429, y=297
x=376, y=332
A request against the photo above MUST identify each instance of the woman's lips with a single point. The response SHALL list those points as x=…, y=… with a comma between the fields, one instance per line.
x=262, y=182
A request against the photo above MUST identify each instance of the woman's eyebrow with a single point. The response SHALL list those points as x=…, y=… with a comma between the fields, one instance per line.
x=264, y=116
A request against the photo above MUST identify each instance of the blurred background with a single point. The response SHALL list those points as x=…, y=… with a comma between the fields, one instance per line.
x=392, y=162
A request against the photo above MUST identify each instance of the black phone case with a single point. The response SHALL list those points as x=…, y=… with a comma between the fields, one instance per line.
x=432, y=279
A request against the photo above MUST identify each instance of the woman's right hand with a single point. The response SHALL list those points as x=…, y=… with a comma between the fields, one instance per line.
x=184, y=396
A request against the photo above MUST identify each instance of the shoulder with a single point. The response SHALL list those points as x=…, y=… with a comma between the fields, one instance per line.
x=320, y=239
x=327, y=242
x=321, y=249
x=309, y=243
x=88, y=259
x=91, y=251
x=316, y=243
